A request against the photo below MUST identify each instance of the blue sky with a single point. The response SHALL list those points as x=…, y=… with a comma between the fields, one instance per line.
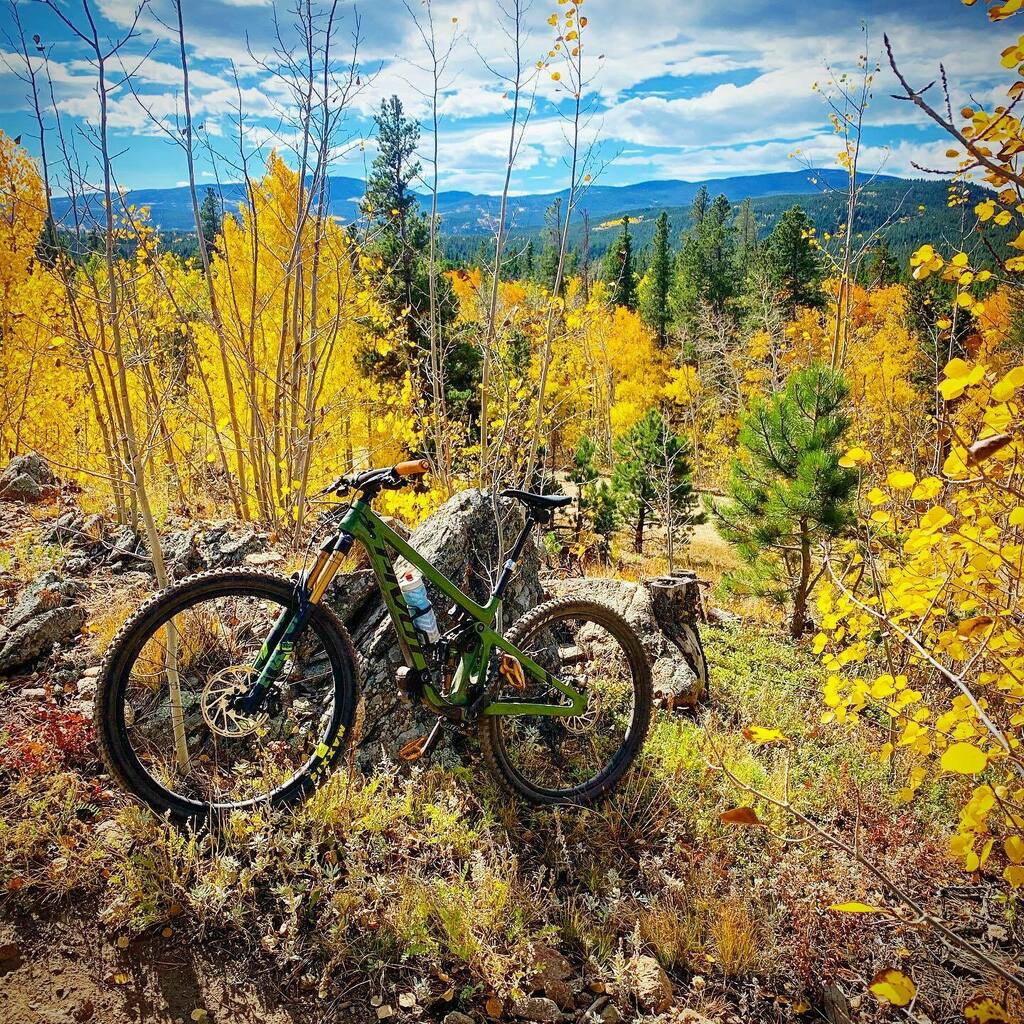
x=692, y=90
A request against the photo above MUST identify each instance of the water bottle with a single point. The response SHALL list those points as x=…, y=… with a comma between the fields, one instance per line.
x=414, y=590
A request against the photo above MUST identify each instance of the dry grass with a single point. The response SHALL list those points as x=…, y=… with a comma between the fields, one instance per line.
x=734, y=932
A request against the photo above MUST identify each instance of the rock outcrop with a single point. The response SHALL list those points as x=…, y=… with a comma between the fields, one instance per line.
x=93, y=541
x=665, y=612
x=27, y=478
x=45, y=614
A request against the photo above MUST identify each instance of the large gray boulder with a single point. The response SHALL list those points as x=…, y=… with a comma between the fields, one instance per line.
x=461, y=540
x=665, y=613
x=45, y=614
x=27, y=478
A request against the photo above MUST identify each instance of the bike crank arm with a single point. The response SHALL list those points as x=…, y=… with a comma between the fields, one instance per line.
x=276, y=649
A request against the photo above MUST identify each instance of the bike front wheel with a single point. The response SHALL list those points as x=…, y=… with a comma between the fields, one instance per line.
x=168, y=728
x=579, y=759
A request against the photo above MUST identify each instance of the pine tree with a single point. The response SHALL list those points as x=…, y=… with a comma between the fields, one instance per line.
x=792, y=262
x=547, y=265
x=787, y=490
x=699, y=207
x=746, y=232
x=652, y=480
x=706, y=271
x=398, y=230
x=528, y=260
x=211, y=217
x=596, y=505
x=618, y=269
x=655, y=307
x=881, y=268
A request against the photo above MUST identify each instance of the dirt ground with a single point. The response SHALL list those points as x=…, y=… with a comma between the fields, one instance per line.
x=65, y=969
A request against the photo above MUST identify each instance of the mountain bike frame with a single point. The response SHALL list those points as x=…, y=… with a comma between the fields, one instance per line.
x=473, y=636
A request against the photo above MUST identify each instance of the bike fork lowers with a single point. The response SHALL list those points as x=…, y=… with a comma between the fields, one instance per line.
x=309, y=590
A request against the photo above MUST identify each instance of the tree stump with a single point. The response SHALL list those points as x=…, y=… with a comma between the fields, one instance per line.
x=677, y=607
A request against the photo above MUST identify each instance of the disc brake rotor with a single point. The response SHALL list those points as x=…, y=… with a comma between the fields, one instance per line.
x=217, y=703
x=580, y=724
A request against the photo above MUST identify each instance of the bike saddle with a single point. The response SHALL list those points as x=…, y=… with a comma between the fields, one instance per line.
x=539, y=502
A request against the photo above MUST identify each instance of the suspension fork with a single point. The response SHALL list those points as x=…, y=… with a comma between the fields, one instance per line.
x=309, y=589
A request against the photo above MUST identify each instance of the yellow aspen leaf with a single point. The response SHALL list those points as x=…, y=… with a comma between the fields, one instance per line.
x=901, y=479
x=968, y=627
x=882, y=687
x=926, y=489
x=853, y=907
x=957, y=368
x=984, y=1010
x=964, y=759
x=893, y=986
x=955, y=465
x=1013, y=846
x=740, y=816
x=1008, y=385
x=759, y=734
x=855, y=457
x=1017, y=516
x=1014, y=874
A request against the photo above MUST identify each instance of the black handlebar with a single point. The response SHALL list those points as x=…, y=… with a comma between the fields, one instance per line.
x=369, y=481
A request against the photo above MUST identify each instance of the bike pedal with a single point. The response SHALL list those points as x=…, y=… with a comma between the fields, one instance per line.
x=413, y=750
x=512, y=672
x=421, y=745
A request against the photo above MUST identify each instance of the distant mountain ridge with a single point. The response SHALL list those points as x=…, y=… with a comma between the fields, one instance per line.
x=470, y=213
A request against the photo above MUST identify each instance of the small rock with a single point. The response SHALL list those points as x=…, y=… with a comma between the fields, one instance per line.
x=407, y=1000
x=44, y=615
x=536, y=1008
x=10, y=957
x=552, y=970
x=27, y=478
x=457, y=1018
x=84, y=1011
x=650, y=984
x=385, y=1011
x=610, y=1015
x=264, y=558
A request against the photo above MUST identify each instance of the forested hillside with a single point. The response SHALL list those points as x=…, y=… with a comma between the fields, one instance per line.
x=806, y=410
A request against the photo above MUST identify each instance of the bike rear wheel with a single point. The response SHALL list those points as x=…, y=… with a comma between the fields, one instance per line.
x=547, y=759
x=168, y=729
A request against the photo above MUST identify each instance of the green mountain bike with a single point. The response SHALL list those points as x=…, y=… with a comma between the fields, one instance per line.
x=237, y=688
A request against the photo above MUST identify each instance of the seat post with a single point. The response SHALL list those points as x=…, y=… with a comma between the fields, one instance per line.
x=517, y=549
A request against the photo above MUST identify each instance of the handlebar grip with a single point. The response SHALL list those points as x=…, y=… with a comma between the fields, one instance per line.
x=415, y=467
